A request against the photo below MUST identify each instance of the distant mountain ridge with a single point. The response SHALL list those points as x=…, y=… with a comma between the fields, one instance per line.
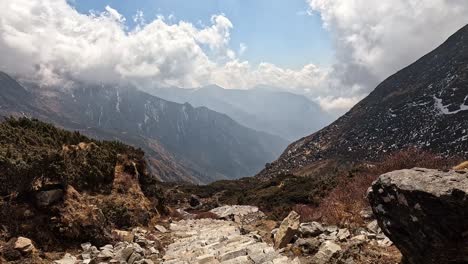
x=286, y=114
x=182, y=142
x=424, y=105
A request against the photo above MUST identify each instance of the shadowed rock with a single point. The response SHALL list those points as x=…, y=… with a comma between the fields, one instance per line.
x=425, y=213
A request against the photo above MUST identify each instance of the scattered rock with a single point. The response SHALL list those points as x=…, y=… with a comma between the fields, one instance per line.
x=424, y=213
x=217, y=241
x=288, y=228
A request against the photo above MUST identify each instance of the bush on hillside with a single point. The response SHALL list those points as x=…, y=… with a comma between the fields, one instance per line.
x=342, y=206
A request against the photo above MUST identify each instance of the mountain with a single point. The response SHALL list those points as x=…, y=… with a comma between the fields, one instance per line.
x=288, y=115
x=424, y=105
x=182, y=142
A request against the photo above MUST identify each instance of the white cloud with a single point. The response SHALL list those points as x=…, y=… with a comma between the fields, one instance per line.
x=338, y=104
x=374, y=39
x=242, y=49
x=50, y=40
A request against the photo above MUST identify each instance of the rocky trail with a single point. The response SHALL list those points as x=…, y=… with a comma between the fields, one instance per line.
x=218, y=241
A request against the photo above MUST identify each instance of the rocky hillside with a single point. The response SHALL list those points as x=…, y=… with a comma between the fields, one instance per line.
x=424, y=105
x=281, y=113
x=61, y=188
x=182, y=142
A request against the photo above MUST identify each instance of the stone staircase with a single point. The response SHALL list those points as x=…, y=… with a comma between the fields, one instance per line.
x=208, y=241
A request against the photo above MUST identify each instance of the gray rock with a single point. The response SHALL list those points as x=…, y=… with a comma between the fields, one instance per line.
x=46, y=198
x=288, y=228
x=311, y=229
x=326, y=252
x=67, y=259
x=160, y=228
x=308, y=245
x=125, y=253
x=238, y=213
x=105, y=254
x=24, y=245
x=134, y=257
x=366, y=214
x=424, y=212
x=374, y=227
x=343, y=234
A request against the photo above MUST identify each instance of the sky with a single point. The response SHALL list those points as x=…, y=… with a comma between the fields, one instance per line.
x=333, y=51
x=270, y=30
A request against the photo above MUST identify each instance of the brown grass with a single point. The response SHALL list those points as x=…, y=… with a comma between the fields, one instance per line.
x=206, y=215
x=342, y=206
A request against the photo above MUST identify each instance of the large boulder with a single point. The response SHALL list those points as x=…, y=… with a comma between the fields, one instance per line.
x=425, y=213
x=24, y=245
x=287, y=230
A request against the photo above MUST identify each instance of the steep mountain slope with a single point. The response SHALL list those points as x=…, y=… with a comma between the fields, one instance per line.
x=285, y=114
x=182, y=142
x=424, y=105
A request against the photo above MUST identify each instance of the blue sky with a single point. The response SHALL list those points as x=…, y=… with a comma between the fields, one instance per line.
x=275, y=31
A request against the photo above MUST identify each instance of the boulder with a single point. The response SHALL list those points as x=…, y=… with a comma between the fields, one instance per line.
x=288, y=228
x=24, y=245
x=326, y=252
x=311, y=229
x=424, y=213
x=195, y=201
x=46, y=198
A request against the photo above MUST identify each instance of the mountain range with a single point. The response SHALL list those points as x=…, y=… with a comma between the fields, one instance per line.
x=268, y=109
x=183, y=143
x=425, y=105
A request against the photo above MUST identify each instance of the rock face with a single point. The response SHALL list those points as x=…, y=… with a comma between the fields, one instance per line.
x=425, y=213
x=288, y=228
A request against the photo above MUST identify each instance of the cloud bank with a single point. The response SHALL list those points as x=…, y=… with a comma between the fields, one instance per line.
x=49, y=41
x=374, y=39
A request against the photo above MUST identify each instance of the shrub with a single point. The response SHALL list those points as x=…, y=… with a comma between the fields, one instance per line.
x=342, y=206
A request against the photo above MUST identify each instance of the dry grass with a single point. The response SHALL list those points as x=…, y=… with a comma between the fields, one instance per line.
x=343, y=204
x=206, y=215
